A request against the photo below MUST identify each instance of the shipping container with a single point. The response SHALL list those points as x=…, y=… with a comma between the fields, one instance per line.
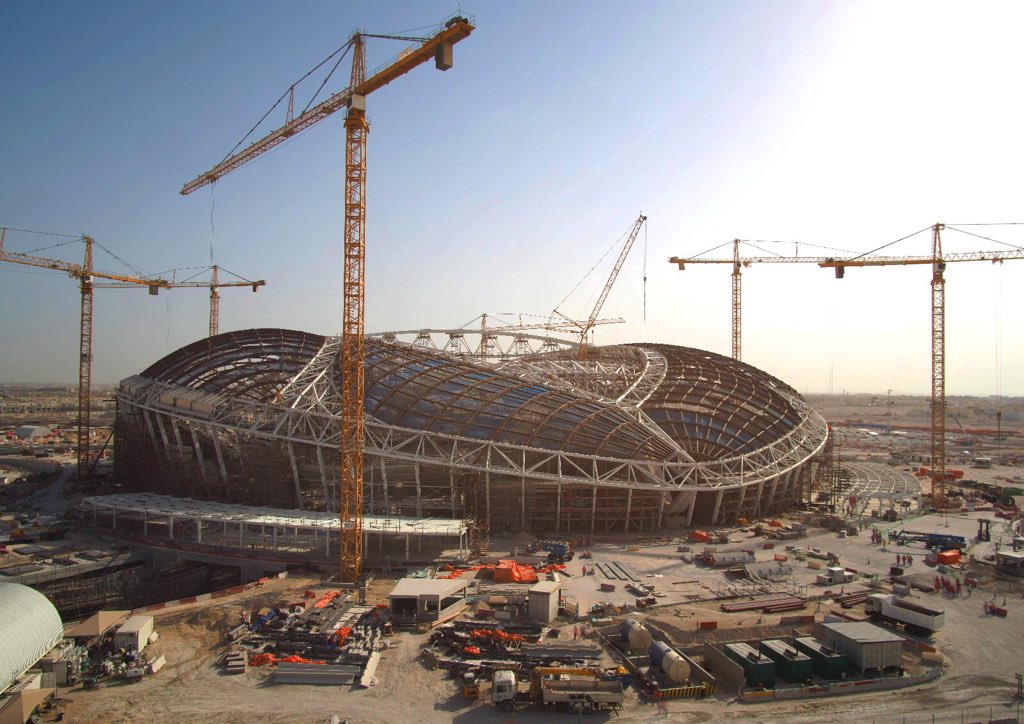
x=826, y=662
x=790, y=664
x=758, y=670
x=133, y=635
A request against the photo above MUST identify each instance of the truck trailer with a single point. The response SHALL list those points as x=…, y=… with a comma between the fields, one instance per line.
x=578, y=695
x=917, y=619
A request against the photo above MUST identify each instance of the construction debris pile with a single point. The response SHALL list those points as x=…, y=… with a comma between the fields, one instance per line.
x=465, y=645
x=332, y=640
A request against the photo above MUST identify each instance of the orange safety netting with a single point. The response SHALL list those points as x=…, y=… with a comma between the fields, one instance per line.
x=326, y=599
x=293, y=659
x=471, y=650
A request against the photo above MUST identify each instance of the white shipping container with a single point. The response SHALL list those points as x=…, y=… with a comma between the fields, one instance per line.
x=134, y=633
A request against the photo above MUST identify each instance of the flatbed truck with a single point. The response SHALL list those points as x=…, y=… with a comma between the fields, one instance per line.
x=917, y=619
x=577, y=695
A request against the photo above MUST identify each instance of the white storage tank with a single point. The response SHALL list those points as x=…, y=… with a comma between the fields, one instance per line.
x=670, y=663
x=635, y=635
x=134, y=633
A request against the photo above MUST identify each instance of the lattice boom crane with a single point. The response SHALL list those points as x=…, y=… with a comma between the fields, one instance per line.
x=439, y=47
x=85, y=274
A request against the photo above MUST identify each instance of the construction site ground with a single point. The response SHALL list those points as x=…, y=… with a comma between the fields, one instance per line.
x=982, y=651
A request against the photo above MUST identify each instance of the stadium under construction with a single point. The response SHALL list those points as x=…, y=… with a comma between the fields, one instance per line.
x=522, y=437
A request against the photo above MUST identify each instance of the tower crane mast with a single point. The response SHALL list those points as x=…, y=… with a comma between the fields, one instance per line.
x=938, y=262
x=85, y=274
x=439, y=47
x=738, y=263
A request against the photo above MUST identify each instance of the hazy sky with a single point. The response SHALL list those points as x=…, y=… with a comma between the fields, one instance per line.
x=495, y=186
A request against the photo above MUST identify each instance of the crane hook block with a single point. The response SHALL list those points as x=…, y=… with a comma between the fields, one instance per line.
x=443, y=56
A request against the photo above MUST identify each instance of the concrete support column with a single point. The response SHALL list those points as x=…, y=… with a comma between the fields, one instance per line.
x=199, y=530
x=629, y=509
x=170, y=528
x=487, y=495
x=384, y=485
x=145, y=523
x=661, y=511
x=177, y=440
x=419, y=495
x=558, y=507
x=407, y=547
x=593, y=510
x=275, y=536
x=451, y=489
x=323, y=479
x=220, y=455
x=241, y=533
x=522, y=501
x=693, y=507
x=295, y=475
x=718, y=505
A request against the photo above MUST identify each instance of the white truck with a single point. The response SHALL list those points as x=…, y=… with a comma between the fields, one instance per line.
x=578, y=695
x=917, y=619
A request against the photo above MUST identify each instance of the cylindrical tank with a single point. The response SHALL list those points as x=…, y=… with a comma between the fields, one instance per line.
x=635, y=635
x=674, y=666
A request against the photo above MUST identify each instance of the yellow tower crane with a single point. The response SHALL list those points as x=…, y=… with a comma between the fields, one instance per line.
x=85, y=274
x=214, y=285
x=439, y=48
x=938, y=262
x=738, y=263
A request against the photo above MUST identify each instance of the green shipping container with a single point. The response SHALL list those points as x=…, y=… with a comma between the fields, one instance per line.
x=790, y=664
x=758, y=670
x=827, y=663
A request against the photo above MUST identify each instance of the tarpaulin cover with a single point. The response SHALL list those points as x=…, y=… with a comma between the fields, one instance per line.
x=508, y=571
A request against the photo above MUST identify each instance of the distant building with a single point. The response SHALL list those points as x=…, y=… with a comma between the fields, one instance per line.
x=27, y=432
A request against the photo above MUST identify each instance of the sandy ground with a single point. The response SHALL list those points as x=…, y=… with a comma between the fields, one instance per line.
x=982, y=651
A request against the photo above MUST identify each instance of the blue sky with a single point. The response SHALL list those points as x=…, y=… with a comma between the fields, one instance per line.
x=495, y=186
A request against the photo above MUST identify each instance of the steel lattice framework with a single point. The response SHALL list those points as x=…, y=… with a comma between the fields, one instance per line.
x=655, y=431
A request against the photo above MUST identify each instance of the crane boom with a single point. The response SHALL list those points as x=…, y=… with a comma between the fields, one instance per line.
x=738, y=263
x=214, y=284
x=435, y=46
x=85, y=274
x=993, y=256
x=584, y=329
